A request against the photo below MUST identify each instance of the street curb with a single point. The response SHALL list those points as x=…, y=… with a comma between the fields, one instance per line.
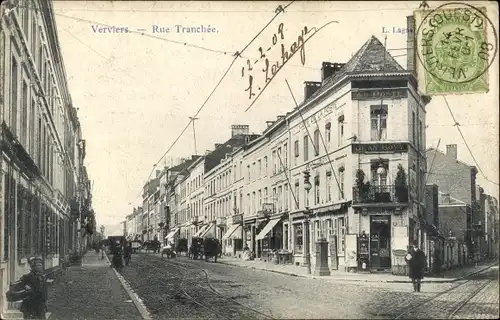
x=450, y=280
x=135, y=298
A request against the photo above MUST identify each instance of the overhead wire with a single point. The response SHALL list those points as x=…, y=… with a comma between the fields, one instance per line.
x=237, y=54
x=456, y=124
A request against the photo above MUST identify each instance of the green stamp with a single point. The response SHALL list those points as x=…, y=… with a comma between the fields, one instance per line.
x=453, y=49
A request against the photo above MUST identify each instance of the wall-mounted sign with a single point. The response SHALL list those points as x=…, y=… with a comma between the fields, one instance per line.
x=237, y=218
x=372, y=94
x=379, y=147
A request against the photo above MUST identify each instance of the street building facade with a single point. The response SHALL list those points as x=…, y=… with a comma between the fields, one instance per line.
x=45, y=191
x=347, y=167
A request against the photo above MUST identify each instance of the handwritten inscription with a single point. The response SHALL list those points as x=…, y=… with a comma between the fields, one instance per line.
x=269, y=69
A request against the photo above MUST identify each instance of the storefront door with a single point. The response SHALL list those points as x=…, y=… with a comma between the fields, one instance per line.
x=380, y=242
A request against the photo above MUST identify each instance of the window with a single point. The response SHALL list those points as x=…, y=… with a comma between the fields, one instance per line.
x=341, y=130
x=23, y=134
x=265, y=165
x=420, y=136
x=254, y=176
x=330, y=230
x=249, y=173
x=316, y=142
x=26, y=21
x=378, y=119
x=413, y=127
x=260, y=168
x=328, y=133
x=33, y=38
x=341, y=182
x=280, y=163
x=254, y=204
x=286, y=197
x=298, y=238
x=317, y=229
x=329, y=186
x=260, y=199
x=379, y=179
x=273, y=200
x=285, y=158
x=340, y=234
x=265, y=195
x=297, y=199
x=316, y=190
x=274, y=162
x=13, y=95
x=280, y=198
x=306, y=148
x=32, y=129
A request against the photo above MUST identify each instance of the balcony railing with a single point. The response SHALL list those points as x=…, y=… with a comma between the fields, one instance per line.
x=380, y=194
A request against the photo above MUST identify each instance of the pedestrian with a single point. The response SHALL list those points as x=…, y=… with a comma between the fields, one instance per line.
x=416, y=261
x=127, y=253
x=35, y=305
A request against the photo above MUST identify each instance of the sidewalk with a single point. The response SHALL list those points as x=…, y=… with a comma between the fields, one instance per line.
x=91, y=291
x=452, y=275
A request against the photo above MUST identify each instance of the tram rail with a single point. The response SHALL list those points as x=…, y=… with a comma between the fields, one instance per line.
x=208, y=298
x=478, y=286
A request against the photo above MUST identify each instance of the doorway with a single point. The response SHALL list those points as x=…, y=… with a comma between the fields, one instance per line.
x=380, y=243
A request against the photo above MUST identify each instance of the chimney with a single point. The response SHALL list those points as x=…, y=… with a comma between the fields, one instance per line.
x=239, y=129
x=328, y=69
x=269, y=123
x=451, y=150
x=410, y=44
x=310, y=87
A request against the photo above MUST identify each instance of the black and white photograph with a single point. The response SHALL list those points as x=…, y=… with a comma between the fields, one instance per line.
x=249, y=160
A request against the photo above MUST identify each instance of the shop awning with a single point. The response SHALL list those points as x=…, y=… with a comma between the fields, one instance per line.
x=207, y=233
x=172, y=233
x=269, y=226
x=202, y=229
x=236, y=234
x=229, y=232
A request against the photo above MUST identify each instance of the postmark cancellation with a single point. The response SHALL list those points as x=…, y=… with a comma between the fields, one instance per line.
x=456, y=45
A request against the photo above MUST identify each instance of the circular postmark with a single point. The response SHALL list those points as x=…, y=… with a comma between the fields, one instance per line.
x=452, y=43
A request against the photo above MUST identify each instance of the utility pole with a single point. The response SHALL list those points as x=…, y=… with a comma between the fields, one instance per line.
x=193, y=119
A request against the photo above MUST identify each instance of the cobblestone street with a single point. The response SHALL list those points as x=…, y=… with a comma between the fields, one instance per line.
x=168, y=288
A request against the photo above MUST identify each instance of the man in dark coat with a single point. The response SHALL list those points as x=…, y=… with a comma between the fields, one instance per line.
x=35, y=305
x=416, y=261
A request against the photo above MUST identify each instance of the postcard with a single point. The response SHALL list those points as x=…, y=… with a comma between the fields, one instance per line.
x=249, y=159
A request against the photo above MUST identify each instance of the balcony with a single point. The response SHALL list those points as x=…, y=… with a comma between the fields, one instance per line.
x=385, y=195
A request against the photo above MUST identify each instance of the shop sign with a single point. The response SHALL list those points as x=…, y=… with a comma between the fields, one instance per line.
x=379, y=147
x=372, y=94
x=237, y=218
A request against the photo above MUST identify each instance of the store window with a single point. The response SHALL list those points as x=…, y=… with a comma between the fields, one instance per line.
x=298, y=238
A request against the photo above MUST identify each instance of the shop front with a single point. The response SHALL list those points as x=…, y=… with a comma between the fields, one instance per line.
x=383, y=239
x=270, y=236
x=249, y=233
x=232, y=240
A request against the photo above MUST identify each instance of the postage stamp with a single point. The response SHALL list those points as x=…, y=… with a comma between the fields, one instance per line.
x=456, y=44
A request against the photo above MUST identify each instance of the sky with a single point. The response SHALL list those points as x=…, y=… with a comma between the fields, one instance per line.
x=135, y=93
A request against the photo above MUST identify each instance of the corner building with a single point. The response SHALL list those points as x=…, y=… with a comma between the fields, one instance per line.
x=360, y=133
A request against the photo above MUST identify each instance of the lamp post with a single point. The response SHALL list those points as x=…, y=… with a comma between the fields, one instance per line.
x=307, y=213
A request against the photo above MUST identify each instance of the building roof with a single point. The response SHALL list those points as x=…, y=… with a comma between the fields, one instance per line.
x=448, y=156
x=452, y=200
x=372, y=57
